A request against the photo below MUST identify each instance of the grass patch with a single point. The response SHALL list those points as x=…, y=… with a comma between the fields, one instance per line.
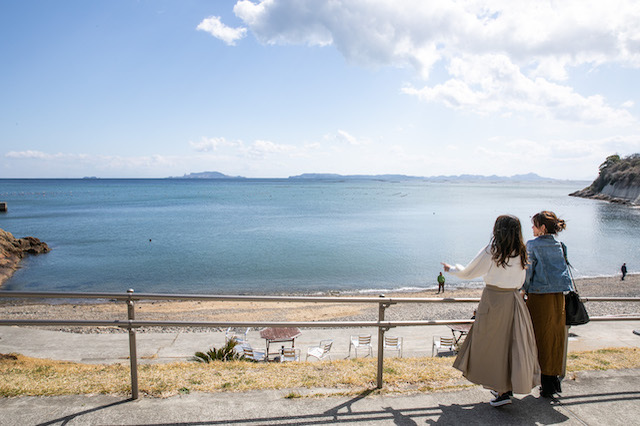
x=23, y=375
x=604, y=359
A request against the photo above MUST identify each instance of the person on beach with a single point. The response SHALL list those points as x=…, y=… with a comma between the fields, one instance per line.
x=546, y=281
x=623, y=269
x=500, y=349
x=441, y=283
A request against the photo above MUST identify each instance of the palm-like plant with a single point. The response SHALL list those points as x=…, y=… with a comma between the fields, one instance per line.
x=224, y=353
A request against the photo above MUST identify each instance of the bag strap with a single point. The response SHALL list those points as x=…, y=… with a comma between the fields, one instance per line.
x=564, y=251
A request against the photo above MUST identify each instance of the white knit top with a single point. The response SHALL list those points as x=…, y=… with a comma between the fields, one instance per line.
x=511, y=276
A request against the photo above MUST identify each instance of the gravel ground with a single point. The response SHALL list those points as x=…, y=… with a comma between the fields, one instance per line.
x=296, y=311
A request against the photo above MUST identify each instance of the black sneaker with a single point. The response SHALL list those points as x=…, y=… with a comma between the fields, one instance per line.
x=545, y=393
x=503, y=399
x=496, y=393
x=557, y=385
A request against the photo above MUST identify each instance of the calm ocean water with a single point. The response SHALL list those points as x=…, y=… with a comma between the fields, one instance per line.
x=284, y=236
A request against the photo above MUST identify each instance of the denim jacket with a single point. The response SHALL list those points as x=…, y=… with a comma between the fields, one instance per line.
x=547, y=271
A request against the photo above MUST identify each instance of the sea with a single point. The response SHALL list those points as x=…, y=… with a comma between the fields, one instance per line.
x=288, y=236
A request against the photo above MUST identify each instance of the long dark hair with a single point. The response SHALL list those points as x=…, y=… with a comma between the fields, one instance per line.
x=552, y=223
x=507, y=241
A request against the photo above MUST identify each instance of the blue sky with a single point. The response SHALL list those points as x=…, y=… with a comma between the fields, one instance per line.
x=155, y=88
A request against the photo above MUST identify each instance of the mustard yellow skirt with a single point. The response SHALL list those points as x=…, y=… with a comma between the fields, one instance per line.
x=548, y=317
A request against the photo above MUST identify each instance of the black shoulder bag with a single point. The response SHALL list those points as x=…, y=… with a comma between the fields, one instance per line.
x=574, y=308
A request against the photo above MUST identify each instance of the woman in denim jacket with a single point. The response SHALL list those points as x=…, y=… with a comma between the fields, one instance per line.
x=546, y=280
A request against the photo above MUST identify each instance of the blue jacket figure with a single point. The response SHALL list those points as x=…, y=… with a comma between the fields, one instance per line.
x=546, y=280
x=547, y=271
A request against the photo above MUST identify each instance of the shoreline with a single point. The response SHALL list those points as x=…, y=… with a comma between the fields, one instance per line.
x=224, y=311
x=13, y=250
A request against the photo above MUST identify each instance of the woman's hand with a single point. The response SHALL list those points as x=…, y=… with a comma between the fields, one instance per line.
x=446, y=266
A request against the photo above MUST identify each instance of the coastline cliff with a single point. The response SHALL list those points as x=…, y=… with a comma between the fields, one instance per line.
x=12, y=250
x=618, y=181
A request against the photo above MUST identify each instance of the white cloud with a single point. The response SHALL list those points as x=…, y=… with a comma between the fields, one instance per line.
x=261, y=148
x=286, y=22
x=493, y=84
x=213, y=144
x=502, y=56
x=350, y=139
x=39, y=155
x=27, y=154
x=95, y=162
x=558, y=158
x=392, y=32
x=216, y=28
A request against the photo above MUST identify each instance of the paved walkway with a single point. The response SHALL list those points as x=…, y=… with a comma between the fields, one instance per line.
x=593, y=398
x=179, y=346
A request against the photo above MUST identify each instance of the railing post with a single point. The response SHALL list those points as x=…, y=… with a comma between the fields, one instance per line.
x=381, y=307
x=133, y=353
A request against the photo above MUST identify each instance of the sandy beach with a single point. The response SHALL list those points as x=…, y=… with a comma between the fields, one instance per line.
x=298, y=311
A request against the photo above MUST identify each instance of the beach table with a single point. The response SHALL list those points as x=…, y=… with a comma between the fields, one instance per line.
x=461, y=330
x=279, y=335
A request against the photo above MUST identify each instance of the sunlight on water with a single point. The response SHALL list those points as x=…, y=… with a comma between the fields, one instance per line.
x=286, y=236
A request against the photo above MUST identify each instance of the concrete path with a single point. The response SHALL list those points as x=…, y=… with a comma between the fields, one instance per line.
x=180, y=346
x=593, y=398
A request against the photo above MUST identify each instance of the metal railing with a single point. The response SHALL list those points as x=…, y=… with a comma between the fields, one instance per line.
x=383, y=326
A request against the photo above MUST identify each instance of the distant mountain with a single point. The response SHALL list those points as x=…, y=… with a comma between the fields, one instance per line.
x=206, y=175
x=529, y=177
x=333, y=176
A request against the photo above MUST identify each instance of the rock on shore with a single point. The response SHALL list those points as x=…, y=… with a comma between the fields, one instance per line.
x=13, y=249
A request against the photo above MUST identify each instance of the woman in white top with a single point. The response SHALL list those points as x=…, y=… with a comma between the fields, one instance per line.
x=500, y=350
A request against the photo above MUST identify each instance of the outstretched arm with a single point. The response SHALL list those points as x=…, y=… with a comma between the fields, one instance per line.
x=478, y=267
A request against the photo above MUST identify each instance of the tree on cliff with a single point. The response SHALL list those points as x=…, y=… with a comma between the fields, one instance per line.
x=618, y=171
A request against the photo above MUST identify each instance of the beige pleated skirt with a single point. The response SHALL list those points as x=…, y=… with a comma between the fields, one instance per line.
x=548, y=317
x=500, y=350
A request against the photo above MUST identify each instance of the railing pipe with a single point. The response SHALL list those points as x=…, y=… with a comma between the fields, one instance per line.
x=235, y=298
x=240, y=298
x=227, y=324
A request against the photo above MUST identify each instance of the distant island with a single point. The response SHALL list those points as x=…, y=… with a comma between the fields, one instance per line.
x=618, y=181
x=529, y=177
x=206, y=175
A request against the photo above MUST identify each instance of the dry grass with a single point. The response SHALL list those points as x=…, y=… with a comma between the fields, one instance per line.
x=604, y=359
x=22, y=375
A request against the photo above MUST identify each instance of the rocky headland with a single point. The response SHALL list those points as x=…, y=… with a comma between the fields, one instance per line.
x=13, y=249
x=618, y=181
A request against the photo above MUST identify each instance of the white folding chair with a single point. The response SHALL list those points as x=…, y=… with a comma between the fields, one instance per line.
x=442, y=344
x=321, y=351
x=240, y=337
x=361, y=341
x=289, y=354
x=393, y=343
x=252, y=354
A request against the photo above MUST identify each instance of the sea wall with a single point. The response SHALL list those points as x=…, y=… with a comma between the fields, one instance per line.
x=629, y=193
x=12, y=250
x=623, y=194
